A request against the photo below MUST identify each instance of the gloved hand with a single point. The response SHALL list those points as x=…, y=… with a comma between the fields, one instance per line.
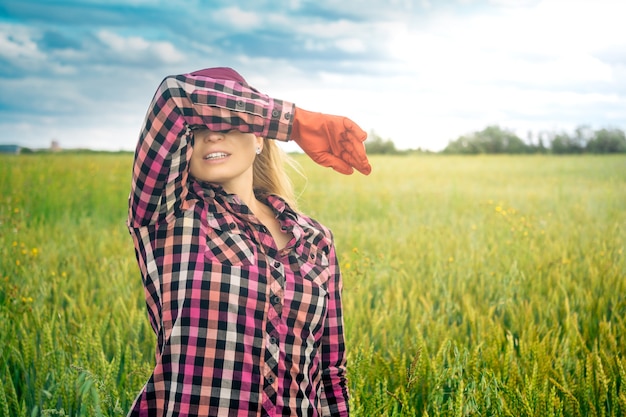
x=331, y=141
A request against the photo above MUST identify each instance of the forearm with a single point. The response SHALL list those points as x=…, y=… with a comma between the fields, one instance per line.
x=221, y=105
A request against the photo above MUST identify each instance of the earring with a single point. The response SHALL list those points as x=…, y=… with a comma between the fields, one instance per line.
x=258, y=150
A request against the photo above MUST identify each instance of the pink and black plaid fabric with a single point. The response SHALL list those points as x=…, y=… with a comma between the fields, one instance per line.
x=243, y=329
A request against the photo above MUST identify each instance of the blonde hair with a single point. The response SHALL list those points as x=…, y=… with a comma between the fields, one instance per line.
x=269, y=175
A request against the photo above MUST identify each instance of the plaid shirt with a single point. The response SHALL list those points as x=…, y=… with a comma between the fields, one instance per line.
x=243, y=328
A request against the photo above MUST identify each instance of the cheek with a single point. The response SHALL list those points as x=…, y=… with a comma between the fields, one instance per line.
x=194, y=165
x=192, y=169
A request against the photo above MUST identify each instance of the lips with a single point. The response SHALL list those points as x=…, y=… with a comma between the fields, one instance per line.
x=215, y=155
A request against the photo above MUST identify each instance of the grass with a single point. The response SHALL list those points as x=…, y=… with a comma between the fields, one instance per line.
x=486, y=285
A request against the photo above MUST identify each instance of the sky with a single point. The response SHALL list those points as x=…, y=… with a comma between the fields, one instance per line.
x=418, y=72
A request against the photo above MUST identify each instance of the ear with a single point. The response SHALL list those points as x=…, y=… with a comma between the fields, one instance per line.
x=259, y=141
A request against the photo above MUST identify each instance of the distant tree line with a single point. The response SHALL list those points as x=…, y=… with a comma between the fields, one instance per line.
x=495, y=140
x=377, y=145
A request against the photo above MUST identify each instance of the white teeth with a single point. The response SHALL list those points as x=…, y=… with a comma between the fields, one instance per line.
x=216, y=155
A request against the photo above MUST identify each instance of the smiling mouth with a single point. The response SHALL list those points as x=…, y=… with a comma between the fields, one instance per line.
x=215, y=155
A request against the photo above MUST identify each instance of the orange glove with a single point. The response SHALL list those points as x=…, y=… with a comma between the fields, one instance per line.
x=331, y=141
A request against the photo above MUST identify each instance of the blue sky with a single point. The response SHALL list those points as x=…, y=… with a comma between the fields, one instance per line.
x=419, y=72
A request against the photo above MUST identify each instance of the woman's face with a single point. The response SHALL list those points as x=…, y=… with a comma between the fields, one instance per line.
x=224, y=158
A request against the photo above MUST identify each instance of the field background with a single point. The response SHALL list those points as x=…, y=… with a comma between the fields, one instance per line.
x=486, y=285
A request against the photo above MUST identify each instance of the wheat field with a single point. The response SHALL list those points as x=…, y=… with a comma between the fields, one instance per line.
x=473, y=286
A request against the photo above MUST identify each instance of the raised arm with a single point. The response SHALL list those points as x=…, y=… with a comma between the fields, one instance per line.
x=159, y=181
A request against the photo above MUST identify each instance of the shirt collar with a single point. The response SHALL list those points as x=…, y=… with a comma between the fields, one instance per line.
x=231, y=203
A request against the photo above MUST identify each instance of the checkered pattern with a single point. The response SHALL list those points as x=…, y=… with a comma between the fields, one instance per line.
x=243, y=329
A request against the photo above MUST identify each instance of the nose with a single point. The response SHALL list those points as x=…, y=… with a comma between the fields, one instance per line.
x=213, y=136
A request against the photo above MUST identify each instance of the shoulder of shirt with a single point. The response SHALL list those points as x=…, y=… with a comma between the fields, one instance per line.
x=301, y=218
x=203, y=81
x=190, y=81
x=316, y=225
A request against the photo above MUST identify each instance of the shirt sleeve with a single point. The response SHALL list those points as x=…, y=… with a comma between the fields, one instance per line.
x=159, y=180
x=334, y=395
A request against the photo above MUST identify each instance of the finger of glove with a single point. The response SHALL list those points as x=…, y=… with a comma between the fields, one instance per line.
x=355, y=129
x=357, y=157
x=348, y=146
x=329, y=160
x=361, y=164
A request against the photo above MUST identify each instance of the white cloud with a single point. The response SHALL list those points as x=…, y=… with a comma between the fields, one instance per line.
x=17, y=44
x=240, y=19
x=137, y=49
x=352, y=45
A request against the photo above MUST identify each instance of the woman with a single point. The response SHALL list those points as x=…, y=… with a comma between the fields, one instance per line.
x=243, y=292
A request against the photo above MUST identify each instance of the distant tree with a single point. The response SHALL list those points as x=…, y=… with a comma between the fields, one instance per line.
x=492, y=139
x=560, y=143
x=582, y=135
x=377, y=145
x=541, y=147
x=575, y=143
x=607, y=141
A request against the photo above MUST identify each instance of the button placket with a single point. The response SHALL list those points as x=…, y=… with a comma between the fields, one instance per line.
x=278, y=273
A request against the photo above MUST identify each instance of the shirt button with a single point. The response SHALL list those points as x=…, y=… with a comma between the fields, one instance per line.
x=312, y=256
x=270, y=379
x=273, y=340
x=239, y=103
x=275, y=113
x=287, y=116
x=275, y=299
x=276, y=264
x=232, y=225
